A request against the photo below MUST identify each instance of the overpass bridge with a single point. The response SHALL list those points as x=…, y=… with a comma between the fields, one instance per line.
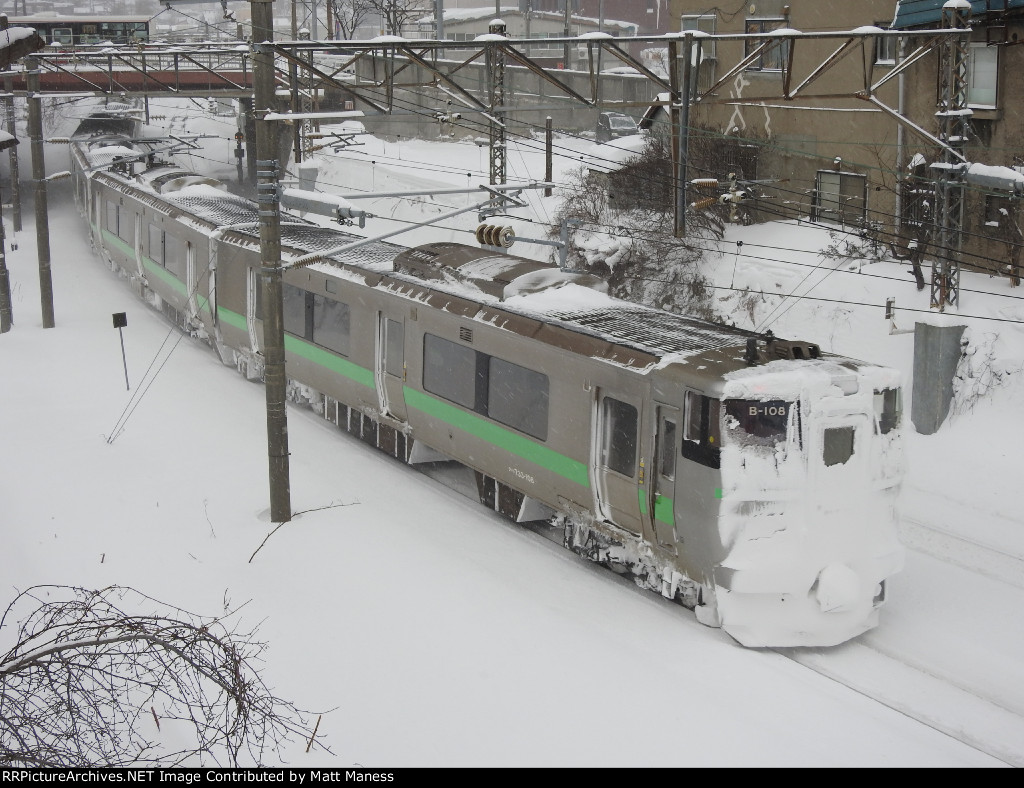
x=192, y=71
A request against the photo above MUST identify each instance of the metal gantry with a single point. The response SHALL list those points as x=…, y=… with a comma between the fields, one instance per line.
x=953, y=118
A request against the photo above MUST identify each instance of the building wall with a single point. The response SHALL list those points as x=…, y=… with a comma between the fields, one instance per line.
x=807, y=135
x=819, y=129
x=996, y=138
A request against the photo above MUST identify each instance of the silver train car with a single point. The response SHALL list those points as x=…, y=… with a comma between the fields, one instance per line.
x=752, y=479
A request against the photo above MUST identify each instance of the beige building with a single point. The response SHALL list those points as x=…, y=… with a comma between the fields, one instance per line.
x=844, y=158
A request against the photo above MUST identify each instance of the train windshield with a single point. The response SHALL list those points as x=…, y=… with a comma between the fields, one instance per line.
x=761, y=423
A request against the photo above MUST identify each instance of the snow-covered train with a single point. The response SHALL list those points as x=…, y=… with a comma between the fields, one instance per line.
x=752, y=479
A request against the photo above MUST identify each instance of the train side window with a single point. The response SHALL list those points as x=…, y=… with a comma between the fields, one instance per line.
x=618, y=451
x=331, y=324
x=394, y=356
x=702, y=429
x=518, y=397
x=667, y=446
x=450, y=371
x=838, y=445
x=294, y=300
x=126, y=225
x=156, y=244
x=111, y=217
x=887, y=410
x=174, y=255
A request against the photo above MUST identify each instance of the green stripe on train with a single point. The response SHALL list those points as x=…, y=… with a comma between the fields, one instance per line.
x=155, y=269
x=469, y=422
x=499, y=436
x=328, y=360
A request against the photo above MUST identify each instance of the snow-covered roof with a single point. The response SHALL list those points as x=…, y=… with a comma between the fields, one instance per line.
x=917, y=13
x=452, y=15
x=17, y=42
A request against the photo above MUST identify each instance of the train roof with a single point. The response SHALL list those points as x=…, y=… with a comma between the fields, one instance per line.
x=488, y=286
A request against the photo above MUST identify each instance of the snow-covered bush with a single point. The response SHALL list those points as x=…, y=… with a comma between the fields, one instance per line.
x=981, y=372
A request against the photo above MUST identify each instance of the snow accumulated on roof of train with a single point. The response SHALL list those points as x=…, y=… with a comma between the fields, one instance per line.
x=650, y=330
x=310, y=238
x=105, y=155
x=214, y=205
x=821, y=377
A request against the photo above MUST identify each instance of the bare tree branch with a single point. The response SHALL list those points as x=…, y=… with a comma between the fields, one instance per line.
x=88, y=683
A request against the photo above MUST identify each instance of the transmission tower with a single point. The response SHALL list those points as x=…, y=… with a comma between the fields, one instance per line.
x=952, y=114
x=496, y=100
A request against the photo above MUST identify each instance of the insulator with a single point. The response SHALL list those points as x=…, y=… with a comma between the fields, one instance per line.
x=495, y=235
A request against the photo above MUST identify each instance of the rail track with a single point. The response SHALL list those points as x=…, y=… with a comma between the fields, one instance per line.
x=969, y=700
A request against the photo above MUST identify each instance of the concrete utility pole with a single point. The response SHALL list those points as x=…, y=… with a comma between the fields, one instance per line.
x=267, y=196
x=35, y=133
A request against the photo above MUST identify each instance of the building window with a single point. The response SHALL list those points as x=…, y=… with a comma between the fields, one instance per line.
x=840, y=197
x=708, y=51
x=775, y=55
x=982, y=73
x=885, y=49
x=998, y=210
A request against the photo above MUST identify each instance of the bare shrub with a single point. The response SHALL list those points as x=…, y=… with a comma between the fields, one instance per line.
x=88, y=683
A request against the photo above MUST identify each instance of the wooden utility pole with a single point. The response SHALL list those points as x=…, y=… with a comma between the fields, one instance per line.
x=268, y=200
x=6, y=315
x=35, y=133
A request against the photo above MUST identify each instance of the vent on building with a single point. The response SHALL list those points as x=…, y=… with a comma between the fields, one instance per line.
x=466, y=334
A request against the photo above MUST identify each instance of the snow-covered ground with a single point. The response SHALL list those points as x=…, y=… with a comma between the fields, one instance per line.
x=440, y=635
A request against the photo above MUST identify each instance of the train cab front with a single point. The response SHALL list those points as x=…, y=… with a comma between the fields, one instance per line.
x=811, y=464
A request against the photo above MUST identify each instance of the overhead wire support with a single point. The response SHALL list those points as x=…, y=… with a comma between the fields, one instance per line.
x=496, y=100
x=271, y=272
x=953, y=114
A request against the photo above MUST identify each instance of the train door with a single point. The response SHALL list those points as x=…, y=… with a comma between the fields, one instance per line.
x=390, y=366
x=614, y=465
x=253, y=293
x=97, y=210
x=698, y=478
x=211, y=284
x=138, y=245
x=663, y=475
